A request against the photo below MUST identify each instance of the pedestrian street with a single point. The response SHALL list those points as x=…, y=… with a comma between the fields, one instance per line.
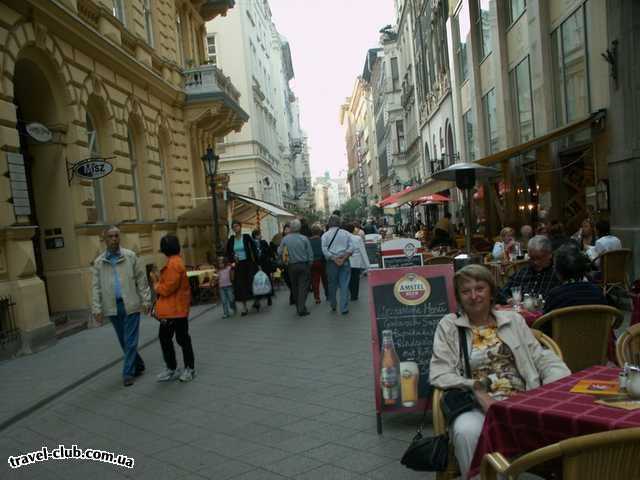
x=275, y=396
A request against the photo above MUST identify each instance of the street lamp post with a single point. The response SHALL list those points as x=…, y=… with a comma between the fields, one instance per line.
x=210, y=161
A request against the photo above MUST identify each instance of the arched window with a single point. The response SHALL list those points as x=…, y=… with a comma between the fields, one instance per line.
x=164, y=152
x=135, y=155
x=94, y=151
x=427, y=160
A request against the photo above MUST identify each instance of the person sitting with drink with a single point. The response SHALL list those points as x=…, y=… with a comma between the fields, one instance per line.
x=504, y=356
x=605, y=243
x=586, y=236
x=537, y=278
x=506, y=246
x=526, y=232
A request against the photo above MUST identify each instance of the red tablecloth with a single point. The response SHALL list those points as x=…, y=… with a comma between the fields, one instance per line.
x=549, y=414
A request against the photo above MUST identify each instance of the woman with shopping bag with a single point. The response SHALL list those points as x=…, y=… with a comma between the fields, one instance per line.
x=241, y=250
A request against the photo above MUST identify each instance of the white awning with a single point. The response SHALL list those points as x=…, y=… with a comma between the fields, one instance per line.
x=238, y=207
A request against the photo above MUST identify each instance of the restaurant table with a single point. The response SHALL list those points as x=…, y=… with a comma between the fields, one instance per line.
x=196, y=278
x=548, y=414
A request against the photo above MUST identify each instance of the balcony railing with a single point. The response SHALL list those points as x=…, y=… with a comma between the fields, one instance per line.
x=208, y=80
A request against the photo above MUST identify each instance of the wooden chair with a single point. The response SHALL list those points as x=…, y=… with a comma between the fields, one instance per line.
x=582, y=332
x=610, y=454
x=628, y=345
x=444, y=260
x=440, y=424
x=615, y=269
x=547, y=342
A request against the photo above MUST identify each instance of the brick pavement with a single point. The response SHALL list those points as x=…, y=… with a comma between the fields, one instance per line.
x=275, y=397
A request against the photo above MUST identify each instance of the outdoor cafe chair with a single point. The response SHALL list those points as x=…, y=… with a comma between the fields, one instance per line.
x=444, y=260
x=605, y=455
x=582, y=332
x=628, y=345
x=615, y=269
x=440, y=424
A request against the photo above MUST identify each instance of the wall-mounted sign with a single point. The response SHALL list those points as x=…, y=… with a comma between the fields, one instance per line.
x=93, y=168
x=39, y=132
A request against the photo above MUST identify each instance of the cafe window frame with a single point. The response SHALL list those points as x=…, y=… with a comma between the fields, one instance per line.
x=517, y=85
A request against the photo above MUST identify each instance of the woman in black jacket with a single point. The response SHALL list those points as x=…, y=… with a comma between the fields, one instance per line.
x=241, y=250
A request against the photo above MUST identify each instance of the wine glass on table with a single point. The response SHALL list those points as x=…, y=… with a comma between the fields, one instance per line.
x=516, y=296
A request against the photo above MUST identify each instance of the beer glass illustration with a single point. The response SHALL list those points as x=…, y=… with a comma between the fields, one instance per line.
x=409, y=383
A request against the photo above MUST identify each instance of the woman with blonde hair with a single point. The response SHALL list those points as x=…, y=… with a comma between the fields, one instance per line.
x=505, y=246
x=503, y=356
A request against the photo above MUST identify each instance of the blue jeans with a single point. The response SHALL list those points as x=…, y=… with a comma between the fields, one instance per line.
x=127, y=329
x=228, y=302
x=339, y=277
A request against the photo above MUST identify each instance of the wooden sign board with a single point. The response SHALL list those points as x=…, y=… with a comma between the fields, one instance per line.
x=406, y=304
x=401, y=252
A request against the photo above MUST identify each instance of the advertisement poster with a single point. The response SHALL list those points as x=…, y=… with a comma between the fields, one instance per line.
x=406, y=305
x=401, y=252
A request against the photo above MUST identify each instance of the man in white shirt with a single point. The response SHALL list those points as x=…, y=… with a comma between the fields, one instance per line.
x=359, y=262
x=337, y=247
x=606, y=242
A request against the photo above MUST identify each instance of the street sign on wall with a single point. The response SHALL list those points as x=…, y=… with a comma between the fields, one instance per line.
x=39, y=132
x=92, y=168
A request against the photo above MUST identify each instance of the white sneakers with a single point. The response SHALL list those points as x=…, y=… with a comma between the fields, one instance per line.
x=168, y=375
x=187, y=375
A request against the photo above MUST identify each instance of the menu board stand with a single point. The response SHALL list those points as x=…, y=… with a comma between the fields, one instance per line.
x=405, y=306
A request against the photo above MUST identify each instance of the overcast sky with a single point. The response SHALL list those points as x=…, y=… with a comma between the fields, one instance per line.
x=329, y=40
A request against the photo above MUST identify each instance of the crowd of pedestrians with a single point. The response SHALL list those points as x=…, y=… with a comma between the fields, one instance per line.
x=307, y=257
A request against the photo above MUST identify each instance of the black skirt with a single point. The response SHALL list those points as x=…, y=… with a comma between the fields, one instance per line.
x=243, y=280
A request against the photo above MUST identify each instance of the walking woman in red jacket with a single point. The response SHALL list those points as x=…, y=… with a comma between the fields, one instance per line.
x=172, y=310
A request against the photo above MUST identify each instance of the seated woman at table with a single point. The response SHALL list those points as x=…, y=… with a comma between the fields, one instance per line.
x=505, y=246
x=571, y=267
x=504, y=356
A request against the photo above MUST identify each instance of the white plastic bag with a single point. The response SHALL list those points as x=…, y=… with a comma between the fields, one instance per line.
x=261, y=284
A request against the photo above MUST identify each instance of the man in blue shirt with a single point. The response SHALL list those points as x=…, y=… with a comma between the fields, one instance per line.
x=337, y=247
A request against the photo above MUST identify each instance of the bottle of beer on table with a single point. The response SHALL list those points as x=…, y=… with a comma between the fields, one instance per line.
x=389, y=370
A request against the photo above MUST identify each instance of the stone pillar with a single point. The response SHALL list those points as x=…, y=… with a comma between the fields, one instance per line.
x=623, y=125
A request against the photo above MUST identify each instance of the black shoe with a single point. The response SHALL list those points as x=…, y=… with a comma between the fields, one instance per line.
x=244, y=314
x=128, y=382
x=346, y=312
x=333, y=309
x=269, y=302
x=304, y=314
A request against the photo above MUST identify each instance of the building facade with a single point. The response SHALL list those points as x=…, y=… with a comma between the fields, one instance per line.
x=265, y=159
x=121, y=81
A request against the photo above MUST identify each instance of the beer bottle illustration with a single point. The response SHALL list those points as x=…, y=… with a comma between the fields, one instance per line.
x=389, y=370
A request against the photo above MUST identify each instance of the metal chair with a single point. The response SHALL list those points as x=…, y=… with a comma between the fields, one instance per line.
x=582, y=332
x=440, y=424
x=611, y=454
x=615, y=269
x=628, y=345
x=444, y=260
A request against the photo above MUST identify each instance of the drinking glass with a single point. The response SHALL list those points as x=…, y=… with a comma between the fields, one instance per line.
x=516, y=295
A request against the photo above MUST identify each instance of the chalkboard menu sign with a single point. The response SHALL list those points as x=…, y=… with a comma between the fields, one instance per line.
x=397, y=262
x=406, y=305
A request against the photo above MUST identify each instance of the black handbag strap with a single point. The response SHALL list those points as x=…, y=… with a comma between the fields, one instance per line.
x=334, y=237
x=462, y=338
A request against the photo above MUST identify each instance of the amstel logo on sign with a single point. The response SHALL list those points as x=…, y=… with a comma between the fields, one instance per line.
x=412, y=289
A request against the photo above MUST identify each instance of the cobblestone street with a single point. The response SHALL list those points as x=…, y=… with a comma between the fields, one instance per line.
x=275, y=396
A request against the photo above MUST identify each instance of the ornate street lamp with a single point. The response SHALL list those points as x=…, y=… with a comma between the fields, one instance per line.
x=210, y=161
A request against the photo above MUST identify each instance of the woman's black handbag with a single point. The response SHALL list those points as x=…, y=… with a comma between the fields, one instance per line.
x=427, y=454
x=431, y=454
x=456, y=401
